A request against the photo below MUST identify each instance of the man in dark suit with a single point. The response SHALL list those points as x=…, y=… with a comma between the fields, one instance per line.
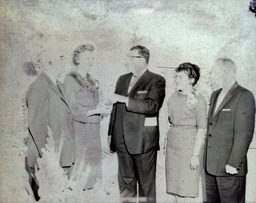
x=47, y=107
x=134, y=127
x=230, y=130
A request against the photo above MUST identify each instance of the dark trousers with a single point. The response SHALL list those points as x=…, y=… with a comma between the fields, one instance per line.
x=133, y=169
x=33, y=181
x=228, y=189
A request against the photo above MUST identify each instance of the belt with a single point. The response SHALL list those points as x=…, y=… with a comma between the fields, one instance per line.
x=182, y=126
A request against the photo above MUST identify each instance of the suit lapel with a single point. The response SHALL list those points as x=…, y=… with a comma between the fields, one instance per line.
x=53, y=86
x=127, y=83
x=213, y=102
x=123, y=85
x=227, y=97
x=138, y=83
x=62, y=92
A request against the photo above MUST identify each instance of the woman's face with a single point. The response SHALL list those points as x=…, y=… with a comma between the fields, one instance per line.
x=86, y=60
x=182, y=80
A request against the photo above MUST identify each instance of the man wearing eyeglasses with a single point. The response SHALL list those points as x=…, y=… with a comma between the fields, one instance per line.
x=134, y=127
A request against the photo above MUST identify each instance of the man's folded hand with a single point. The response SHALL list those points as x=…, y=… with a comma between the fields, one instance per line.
x=231, y=170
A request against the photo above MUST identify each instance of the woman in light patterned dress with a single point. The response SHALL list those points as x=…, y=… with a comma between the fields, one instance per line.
x=187, y=117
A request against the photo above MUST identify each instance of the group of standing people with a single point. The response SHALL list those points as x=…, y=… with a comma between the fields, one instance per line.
x=134, y=128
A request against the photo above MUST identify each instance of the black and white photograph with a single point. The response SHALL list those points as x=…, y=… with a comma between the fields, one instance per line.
x=143, y=101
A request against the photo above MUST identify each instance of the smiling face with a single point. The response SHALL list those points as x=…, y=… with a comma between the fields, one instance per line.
x=182, y=80
x=136, y=61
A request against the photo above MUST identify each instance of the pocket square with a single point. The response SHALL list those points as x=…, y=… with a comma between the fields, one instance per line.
x=226, y=110
x=142, y=92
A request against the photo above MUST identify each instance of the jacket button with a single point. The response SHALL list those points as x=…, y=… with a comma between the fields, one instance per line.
x=210, y=123
x=210, y=135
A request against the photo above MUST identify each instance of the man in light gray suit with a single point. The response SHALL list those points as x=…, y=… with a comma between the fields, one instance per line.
x=47, y=107
x=230, y=129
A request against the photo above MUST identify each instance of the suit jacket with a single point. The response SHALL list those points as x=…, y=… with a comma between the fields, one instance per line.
x=47, y=107
x=128, y=123
x=230, y=131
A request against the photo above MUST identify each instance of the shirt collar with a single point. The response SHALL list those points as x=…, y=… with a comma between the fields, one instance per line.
x=233, y=87
x=140, y=74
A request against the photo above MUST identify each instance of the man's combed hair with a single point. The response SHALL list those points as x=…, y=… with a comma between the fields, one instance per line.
x=192, y=70
x=80, y=49
x=227, y=64
x=143, y=51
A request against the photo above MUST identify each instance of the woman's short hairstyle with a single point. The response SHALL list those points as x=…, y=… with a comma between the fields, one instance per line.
x=192, y=70
x=80, y=49
x=143, y=51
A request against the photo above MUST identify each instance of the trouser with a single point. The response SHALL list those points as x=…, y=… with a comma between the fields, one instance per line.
x=33, y=181
x=133, y=169
x=228, y=189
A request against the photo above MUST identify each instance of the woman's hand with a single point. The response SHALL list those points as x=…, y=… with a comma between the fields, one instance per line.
x=194, y=162
x=101, y=111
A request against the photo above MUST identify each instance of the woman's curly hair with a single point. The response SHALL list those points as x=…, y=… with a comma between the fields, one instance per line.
x=80, y=49
x=192, y=70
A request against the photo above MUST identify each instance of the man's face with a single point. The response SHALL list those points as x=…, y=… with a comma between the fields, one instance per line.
x=216, y=76
x=136, y=61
